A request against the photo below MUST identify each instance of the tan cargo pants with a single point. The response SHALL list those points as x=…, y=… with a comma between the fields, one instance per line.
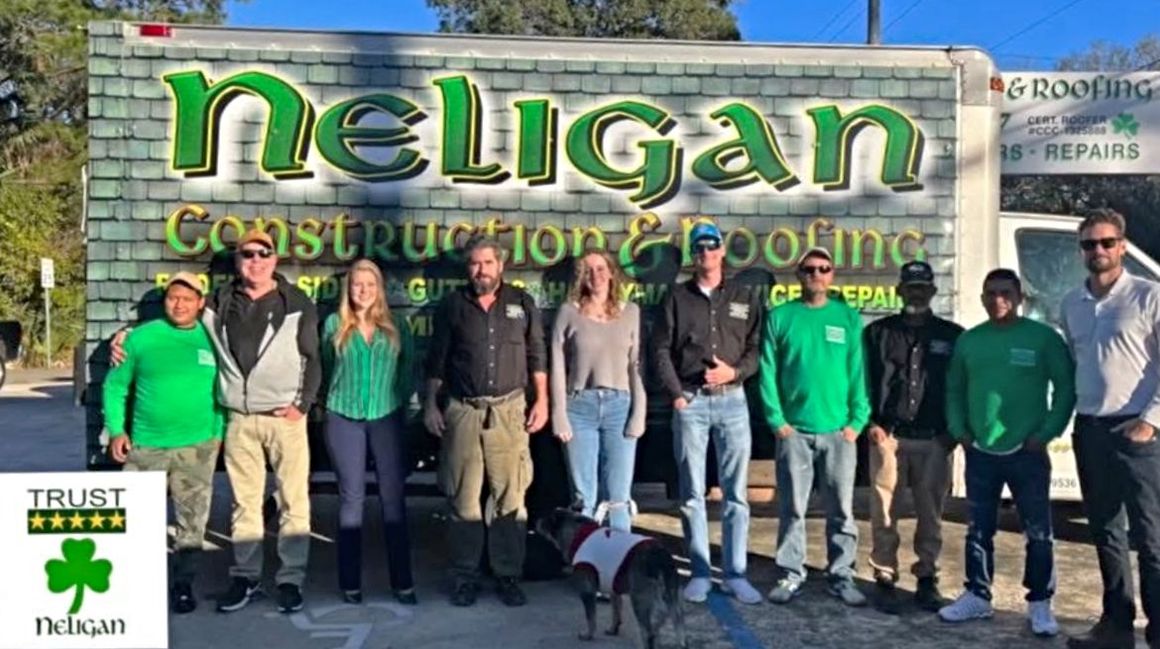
x=923, y=466
x=250, y=441
x=486, y=439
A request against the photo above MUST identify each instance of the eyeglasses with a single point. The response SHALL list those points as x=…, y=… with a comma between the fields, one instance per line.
x=264, y=253
x=702, y=247
x=815, y=270
x=1107, y=243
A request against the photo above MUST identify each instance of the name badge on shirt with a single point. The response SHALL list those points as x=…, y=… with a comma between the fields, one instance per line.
x=940, y=347
x=514, y=312
x=836, y=335
x=1023, y=357
x=739, y=310
x=206, y=357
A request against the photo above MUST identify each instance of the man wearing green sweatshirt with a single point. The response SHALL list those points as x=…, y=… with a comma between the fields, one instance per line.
x=171, y=370
x=814, y=392
x=1002, y=372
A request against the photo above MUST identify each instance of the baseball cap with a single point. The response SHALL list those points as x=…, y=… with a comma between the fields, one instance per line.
x=188, y=279
x=256, y=236
x=916, y=272
x=817, y=251
x=704, y=230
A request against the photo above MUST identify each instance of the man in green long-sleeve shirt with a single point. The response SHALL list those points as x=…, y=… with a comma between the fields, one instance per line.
x=171, y=370
x=997, y=406
x=813, y=388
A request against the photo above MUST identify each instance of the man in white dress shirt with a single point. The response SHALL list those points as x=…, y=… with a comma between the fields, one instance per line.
x=1111, y=326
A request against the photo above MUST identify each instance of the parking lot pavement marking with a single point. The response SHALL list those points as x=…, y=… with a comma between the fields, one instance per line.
x=732, y=623
x=356, y=633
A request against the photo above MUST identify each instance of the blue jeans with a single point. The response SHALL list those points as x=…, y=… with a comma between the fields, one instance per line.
x=834, y=460
x=1028, y=475
x=726, y=418
x=600, y=458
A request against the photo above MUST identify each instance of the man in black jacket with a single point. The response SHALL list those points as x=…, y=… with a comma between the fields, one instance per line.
x=907, y=358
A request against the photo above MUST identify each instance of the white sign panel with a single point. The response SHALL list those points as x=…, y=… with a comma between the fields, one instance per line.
x=1081, y=123
x=47, y=273
x=85, y=551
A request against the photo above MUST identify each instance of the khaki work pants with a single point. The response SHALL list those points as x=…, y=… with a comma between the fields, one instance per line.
x=923, y=466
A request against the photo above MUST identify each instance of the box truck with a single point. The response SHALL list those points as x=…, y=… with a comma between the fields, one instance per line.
x=399, y=147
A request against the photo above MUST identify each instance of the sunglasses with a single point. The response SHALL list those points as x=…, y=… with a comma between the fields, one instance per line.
x=706, y=246
x=815, y=270
x=1107, y=243
x=264, y=253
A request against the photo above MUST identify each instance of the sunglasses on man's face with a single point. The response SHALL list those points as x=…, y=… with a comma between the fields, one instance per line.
x=702, y=247
x=264, y=253
x=815, y=270
x=1107, y=243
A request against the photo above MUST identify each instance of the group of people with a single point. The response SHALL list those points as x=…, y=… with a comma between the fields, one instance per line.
x=916, y=384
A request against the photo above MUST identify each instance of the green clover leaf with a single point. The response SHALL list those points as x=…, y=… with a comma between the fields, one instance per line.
x=1125, y=123
x=78, y=570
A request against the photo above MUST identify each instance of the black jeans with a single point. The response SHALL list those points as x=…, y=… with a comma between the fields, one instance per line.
x=348, y=442
x=1120, y=480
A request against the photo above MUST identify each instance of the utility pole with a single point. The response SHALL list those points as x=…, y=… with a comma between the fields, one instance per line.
x=874, y=23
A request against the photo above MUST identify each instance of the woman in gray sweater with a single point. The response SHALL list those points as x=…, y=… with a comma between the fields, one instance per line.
x=598, y=396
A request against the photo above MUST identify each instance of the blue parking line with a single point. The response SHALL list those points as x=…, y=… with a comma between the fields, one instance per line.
x=732, y=623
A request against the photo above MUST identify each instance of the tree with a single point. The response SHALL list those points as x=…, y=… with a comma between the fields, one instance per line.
x=1137, y=197
x=675, y=19
x=43, y=142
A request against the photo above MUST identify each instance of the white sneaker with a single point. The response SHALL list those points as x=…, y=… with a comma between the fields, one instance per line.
x=1042, y=619
x=968, y=606
x=697, y=590
x=740, y=588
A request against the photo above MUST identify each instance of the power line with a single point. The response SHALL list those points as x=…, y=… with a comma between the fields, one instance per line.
x=1035, y=24
x=1147, y=65
x=841, y=31
x=902, y=15
x=833, y=19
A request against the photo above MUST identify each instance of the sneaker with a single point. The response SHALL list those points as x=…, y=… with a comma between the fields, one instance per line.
x=289, y=598
x=740, y=588
x=784, y=591
x=926, y=596
x=845, y=590
x=697, y=590
x=968, y=606
x=241, y=592
x=464, y=592
x=510, y=593
x=1042, y=620
x=406, y=596
x=183, y=600
x=352, y=596
x=1104, y=635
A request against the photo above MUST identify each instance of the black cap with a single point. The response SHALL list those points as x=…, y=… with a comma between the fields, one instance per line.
x=916, y=272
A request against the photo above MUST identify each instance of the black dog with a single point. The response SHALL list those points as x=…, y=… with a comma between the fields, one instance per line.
x=640, y=568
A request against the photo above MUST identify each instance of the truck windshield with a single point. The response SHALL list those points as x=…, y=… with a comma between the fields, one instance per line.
x=1050, y=265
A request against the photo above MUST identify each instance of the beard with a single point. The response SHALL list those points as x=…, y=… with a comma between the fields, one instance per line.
x=1101, y=264
x=484, y=285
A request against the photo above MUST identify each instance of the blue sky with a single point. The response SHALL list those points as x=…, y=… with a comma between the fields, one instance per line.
x=1067, y=25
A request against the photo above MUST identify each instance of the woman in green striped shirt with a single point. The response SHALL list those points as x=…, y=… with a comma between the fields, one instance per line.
x=365, y=355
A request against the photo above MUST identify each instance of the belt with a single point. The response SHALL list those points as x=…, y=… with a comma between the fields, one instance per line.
x=712, y=390
x=488, y=404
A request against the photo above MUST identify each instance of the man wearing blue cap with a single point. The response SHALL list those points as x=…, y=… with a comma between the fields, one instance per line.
x=705, y=347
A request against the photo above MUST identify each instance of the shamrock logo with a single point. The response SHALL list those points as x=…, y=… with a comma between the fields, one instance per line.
x=1125, y=123
x=78, y=570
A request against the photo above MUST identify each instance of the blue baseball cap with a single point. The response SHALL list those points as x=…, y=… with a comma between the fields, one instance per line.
x=705, y=230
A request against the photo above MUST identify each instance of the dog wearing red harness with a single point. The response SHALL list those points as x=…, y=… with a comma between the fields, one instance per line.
x=618, y=564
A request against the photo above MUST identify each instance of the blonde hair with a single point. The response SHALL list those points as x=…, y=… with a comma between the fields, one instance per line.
x=379, y=312
x=579, y=293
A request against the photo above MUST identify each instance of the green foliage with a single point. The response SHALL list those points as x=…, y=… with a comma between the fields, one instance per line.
x=673, y=19
x=43, y=145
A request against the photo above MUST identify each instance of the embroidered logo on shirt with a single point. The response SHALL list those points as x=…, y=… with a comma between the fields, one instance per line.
x=205, y=357
x=836, y=335
x=514, y=312
x=940, y=347
x=1023, y=357
x=739, y=310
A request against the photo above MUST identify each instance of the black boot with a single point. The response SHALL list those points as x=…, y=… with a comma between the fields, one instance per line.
x=926, y=596
x=1105, y=635
x=886, y=596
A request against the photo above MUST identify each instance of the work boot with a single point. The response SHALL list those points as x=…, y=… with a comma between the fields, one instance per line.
x=464, y=592
x=1105, y=634
x=886, y=597
x=183, y=599
x=510, y=593
x=926, y=596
